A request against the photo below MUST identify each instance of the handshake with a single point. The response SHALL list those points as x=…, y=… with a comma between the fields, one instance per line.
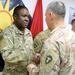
x=36, y=58
x=35, y=62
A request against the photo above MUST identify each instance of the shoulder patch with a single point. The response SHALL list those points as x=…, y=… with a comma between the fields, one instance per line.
x=48, y=60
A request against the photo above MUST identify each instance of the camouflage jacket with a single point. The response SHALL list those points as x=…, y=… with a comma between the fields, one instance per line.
x=16, y=49
x=57, y=54
x=39, y=40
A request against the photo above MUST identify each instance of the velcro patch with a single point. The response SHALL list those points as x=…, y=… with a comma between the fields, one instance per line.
x=48, y=60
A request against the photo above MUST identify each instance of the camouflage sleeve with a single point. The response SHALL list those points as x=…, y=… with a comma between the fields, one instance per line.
x=6, y=45
x=57, y=60
x=66, y=58
x=7, y=50
x=38, y=44
x=33, y=69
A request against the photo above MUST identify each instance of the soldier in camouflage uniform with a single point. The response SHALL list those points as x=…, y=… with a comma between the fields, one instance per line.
x=16, y=44
x=38, y=43
x=39, y=40
x=58, y=51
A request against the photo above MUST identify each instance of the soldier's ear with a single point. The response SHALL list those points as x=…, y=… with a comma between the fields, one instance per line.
x=14, y=17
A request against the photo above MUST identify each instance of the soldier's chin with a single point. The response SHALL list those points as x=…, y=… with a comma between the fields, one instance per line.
x=25, y=26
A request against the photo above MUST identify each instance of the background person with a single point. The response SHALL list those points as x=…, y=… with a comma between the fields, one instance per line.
x=38, y=43
x=39, y=40
x=73, y=24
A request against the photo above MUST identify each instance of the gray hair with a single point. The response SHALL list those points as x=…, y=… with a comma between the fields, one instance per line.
x=58, y=8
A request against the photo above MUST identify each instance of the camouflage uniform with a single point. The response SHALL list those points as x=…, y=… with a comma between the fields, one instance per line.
x=17, y=50
x=39, y=40
x=38, y=43
x=58, y=56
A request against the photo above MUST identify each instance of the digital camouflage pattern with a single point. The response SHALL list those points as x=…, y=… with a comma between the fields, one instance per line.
x=16, y=49
x=38, y=43
x=58, y=54
x=39, y=40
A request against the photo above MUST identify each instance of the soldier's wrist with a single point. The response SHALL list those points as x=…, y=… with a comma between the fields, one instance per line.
x=30, y=67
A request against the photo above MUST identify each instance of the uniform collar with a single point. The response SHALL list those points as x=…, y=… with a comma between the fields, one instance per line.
x=18, y=31
x=58, y=28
